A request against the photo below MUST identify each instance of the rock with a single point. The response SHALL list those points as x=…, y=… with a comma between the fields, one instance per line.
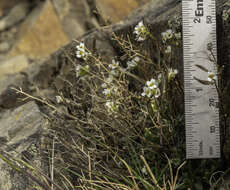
x=7, y=39
x=13, y=65
x=8, y=97
x=34, y=80
x=5, y=5
x=8, y=35
x=19, y=130
x=20, y=126
x=16, y=14
x=141, y=2
x=4, y=47
x=73, y=15
x=116, y=10
x=40, y=34
x=62, y=7
x=36, y=75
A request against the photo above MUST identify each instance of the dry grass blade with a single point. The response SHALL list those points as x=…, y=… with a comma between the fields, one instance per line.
x=151, y=173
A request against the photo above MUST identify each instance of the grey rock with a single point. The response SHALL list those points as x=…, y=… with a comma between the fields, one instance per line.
x=21, y=126
x=19, y=130
x=4, y=47
x=62, y=7
x=8, y=97
x=13, y=65
x=5, y=5
x=74, y=15
x=38, y=75
x=16, y=14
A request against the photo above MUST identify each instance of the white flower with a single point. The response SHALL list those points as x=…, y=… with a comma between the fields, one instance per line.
x=141, y=31
x=157, y=93
x=152, y=84
x=136, y=59
x=159, y=77
x=104, y=85
x=115, y=68
x=111, y=106
x=81, y=51
x=80, y=46
x=168, y=49
x=211, y=77
x=108, y=81
x=172, y=73
x=59, y=99
x=164, y=36
x=78, y=67
x=144, y=171
x=115, y=72
x=147, y=92
x=133, y=63
x=167, y=35
x=114, y=65
x=107, y=92
x=151, y=89
x=178, y=35
x=81, y=70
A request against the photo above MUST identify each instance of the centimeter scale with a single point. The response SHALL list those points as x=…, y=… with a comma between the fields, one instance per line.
x=201, y=100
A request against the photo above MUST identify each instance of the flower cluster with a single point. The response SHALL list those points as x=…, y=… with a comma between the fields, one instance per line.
x=114, y=68
x=168, y=49
x=167, y=35
x=175, y=23
x=110, y=90
x=81, y=51
x=177, y=35
x=112, y=106
x=172, y=74
x=151, y=89
x=172, y=35
x=144, y=170
x=141, y=31
x=59, y=99
x=81, y=70
x=133, y=63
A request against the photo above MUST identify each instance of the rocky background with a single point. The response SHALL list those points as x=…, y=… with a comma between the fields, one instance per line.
x=36, y=39
x=34, y=29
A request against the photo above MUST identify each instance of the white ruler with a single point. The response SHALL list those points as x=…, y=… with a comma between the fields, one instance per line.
x=201, y=101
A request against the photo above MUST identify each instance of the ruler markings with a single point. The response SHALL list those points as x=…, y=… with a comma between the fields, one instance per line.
x=202, y=120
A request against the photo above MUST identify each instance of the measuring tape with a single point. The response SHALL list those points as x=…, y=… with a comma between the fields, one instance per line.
x=201, y=101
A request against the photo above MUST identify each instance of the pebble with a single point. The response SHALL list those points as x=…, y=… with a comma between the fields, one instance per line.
x=4, y=47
